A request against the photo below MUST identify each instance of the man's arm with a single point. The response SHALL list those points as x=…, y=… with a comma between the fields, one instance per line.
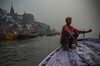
x=90, y=30
x=71, y=35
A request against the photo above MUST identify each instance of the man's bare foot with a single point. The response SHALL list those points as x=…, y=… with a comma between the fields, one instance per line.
x=65, y=48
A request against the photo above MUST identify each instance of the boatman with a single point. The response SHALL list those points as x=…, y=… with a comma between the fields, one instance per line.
x=69, y=34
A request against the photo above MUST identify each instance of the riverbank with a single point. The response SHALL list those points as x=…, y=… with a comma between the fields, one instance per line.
x=13, y=36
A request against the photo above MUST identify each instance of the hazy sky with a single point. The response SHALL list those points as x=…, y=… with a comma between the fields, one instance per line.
x=85, y=13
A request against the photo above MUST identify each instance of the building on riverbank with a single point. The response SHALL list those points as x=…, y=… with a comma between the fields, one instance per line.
x=24, y=24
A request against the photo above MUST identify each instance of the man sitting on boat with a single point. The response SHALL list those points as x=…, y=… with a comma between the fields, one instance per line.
x=70, y=34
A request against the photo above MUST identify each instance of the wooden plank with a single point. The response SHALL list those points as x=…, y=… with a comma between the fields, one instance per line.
x=72, y=58
x=86, y=54
x=93, y=55
x=53, y=58
x=45, y=61
x=62, y=60
x=79, y=61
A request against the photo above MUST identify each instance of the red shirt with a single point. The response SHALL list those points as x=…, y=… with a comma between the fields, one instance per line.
x=66, y=28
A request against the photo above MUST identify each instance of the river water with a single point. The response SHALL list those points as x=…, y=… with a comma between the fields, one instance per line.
x=27, y=52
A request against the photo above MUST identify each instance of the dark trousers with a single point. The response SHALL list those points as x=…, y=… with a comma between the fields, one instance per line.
x=67, y=42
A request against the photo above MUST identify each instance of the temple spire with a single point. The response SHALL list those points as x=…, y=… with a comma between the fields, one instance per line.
x=12, y=10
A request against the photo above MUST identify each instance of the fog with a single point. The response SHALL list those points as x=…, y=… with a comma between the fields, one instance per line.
x=85, y=13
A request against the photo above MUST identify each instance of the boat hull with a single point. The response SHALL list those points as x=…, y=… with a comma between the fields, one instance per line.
x=80, y=56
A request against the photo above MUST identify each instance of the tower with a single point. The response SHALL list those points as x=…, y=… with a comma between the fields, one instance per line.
x=12, y=10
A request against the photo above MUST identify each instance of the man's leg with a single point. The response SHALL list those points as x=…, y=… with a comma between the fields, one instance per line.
x=66, y=41
x=66, y=45
x=71, y=41
x=76, y=34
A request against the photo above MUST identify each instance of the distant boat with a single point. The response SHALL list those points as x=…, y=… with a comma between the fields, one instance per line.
x=10, y=36
x=86, y=55
x=49, y=34
x=1, y=36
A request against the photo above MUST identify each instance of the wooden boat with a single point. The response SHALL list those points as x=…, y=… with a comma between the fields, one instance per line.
x=88, y=54
x=1, y=36
x=10, y=36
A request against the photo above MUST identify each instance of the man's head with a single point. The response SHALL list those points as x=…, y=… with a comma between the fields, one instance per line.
x=68, y=20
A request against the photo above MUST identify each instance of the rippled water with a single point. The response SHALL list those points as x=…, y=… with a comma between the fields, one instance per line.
x=27, y=52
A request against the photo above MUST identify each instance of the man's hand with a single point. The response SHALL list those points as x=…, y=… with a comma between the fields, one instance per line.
x=90, y=30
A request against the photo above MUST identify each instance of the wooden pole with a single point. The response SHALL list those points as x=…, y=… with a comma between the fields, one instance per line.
x=83, y=37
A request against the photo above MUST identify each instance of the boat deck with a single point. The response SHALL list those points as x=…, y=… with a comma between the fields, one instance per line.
x=88, y=54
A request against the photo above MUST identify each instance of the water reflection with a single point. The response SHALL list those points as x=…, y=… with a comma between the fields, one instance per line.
x=27, y=52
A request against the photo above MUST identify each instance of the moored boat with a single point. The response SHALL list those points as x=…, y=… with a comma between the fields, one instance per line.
x=10, y=36
x=1, y=36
